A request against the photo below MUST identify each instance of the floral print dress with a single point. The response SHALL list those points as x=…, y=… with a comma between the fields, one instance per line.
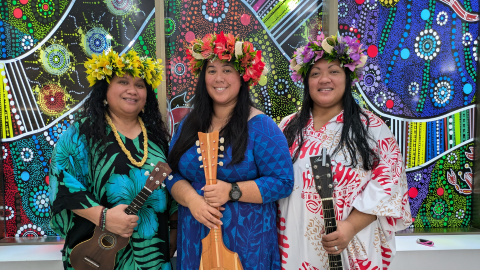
x=381, y=192
x=84, y=175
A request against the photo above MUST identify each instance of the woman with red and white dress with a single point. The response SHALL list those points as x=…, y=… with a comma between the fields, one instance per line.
x=370, y=193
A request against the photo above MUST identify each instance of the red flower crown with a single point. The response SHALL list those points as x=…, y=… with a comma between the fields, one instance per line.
x=231, y=49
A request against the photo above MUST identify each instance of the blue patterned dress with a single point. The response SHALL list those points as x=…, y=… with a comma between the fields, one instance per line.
x=248, y=228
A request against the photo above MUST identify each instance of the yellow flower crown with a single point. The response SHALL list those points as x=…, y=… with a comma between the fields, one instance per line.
x=106, y=65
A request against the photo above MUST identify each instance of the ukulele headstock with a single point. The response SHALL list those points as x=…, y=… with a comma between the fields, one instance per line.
x=158, y=175
x=322, y=174
x=210, y=149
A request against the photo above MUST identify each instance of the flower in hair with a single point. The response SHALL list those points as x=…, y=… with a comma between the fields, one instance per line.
x=108, y=64
x=227, y=48
x=347, y=50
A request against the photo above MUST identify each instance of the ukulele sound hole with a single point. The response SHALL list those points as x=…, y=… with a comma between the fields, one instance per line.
x=107, y=241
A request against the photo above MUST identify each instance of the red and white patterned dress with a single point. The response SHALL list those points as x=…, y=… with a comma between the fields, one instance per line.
x=381, y=192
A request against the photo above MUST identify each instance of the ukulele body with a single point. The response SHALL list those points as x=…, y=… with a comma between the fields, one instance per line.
x=99, y=254
x=215, y=255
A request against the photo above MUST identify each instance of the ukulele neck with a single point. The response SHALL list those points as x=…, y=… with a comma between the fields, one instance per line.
x=334, y=261
x=138, y=201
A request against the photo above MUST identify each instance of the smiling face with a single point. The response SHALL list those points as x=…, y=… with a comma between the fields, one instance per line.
x=326, y=84
x=223, y=83
x=126, y=96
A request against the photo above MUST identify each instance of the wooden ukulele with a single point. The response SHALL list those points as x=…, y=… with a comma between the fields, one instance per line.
x=322, y=174
x=215, y=255
x=99, y=252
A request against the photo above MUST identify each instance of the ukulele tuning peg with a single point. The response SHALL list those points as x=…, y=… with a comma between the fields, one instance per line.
x=220, y=163
x=164, y=175
x=147, y=173
x=201, y=166
x=199, y=151
x=163, y=185
x=221, y=148
x=151, y=164
x=170, y=177
x=220, y=156
x=199, y=158
x=222, y=140
x=198, y=143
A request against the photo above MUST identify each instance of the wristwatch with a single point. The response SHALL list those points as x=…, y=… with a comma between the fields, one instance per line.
x=235, y=193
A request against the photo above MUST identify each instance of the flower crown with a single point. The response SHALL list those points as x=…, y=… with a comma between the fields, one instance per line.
x=106, y=65
x=347, y=50
x=229, y=48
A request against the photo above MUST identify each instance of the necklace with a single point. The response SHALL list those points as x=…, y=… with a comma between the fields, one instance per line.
x=129, y=155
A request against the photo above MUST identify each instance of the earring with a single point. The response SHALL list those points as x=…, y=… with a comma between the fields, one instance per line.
x=143, y=110
x=105, y=103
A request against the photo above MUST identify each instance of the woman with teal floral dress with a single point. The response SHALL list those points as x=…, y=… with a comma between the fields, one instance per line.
x=102, y=161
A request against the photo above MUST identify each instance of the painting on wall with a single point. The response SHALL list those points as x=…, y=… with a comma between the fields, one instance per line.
x=44, y=44
x=420, y=78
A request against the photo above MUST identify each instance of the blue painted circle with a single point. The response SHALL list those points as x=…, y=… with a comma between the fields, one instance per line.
x=467, y=89
x=25, y=176
x=425, y=14
x=405, y=53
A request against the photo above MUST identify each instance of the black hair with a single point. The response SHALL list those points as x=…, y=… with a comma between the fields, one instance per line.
x=95, y=125
x=235, y=132
x=354, y=139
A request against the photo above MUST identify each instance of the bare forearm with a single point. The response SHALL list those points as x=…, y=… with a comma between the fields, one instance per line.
x=183, y=192
x=92, y=214
x=360, y=220
x=250, y=192
x=174, y=216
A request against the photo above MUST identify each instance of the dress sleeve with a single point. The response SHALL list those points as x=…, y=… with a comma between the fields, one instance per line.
x=272, y=159
x=67, y=180
x=176, y=175
x=386, y=194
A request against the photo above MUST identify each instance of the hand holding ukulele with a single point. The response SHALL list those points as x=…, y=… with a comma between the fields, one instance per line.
x=118, y=222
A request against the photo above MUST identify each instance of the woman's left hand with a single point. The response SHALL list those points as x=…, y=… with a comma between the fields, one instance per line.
x=218, y=194
x=173, y=242
x=339, y=238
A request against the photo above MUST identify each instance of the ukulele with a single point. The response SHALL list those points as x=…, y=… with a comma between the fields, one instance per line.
x=215, y=255
x=322, y=174
x=99, y=252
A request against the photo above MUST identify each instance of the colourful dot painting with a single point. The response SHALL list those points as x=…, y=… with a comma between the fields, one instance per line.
x=420, y=78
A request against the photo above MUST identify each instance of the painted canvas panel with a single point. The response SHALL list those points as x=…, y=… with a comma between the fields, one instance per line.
x=44, y=44
x=420, y=78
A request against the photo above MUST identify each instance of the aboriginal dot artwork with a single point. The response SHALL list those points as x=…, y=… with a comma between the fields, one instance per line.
x=44, y=44
x=420, y=78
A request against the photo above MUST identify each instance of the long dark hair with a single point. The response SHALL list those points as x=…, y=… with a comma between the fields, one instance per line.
x=95, y=124
x=235, y=132
x=354, y=137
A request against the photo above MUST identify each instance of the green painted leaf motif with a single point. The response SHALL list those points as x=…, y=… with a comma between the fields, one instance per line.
x=62, y=222
x=98, y=169
x=141, y=254
x=155, y=153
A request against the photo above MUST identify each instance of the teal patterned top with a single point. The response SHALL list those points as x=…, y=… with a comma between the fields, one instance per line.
x=84, y=175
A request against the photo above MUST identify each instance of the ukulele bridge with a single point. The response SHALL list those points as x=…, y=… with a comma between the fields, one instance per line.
x=107, y=241
x=90, y=261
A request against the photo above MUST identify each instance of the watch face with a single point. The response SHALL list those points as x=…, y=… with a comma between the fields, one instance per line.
x=236, y=194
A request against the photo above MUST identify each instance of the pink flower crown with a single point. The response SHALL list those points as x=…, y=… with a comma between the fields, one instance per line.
x=347, y=50
x=231, y=49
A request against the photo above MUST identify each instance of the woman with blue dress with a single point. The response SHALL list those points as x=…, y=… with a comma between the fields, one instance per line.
x=257, y=169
